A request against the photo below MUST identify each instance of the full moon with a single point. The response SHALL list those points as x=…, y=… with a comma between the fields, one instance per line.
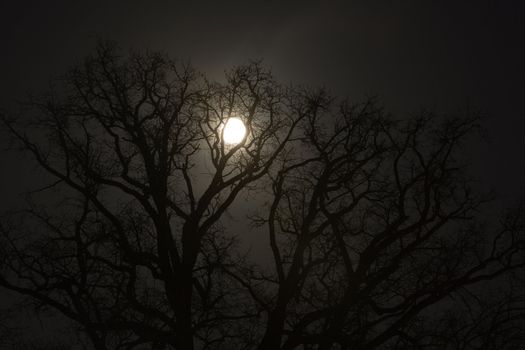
x=234, y=131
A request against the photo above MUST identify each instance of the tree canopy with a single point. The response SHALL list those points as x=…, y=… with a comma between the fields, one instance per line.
x=372, y=230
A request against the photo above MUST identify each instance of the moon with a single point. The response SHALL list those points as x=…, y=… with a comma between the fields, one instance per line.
x=234, y=131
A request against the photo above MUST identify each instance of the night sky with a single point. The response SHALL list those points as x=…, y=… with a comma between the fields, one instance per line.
x=443, y=56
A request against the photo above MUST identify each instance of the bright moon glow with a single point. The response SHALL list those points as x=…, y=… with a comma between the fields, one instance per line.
x=234, y=131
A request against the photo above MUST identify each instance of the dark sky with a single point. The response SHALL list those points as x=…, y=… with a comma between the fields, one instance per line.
x=440, y=55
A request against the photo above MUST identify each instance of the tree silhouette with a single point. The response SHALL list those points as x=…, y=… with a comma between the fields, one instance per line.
x=370, y=223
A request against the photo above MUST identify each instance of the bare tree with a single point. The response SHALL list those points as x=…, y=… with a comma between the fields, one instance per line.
x=370, y=222
x=371, y=225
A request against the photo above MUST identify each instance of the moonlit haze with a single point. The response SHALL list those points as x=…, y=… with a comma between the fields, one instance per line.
x=262, y=175
x=234, y=131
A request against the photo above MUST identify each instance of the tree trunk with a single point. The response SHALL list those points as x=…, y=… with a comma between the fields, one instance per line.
x=184, y=287
x=274, y=331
